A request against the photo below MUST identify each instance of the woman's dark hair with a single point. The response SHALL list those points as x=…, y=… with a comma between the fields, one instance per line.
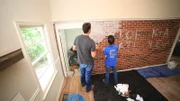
x=111, y=39
x=86, y=27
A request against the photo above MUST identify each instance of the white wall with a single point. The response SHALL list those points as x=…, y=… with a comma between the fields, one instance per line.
x=66, y=10
x=71, y=34
x=19, y=78
x=64, y=57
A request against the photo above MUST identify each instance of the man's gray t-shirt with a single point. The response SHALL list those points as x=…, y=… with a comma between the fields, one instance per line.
x=84, y=45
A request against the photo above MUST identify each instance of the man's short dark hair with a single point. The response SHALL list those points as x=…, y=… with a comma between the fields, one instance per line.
x=86, y=27
x=111, y=39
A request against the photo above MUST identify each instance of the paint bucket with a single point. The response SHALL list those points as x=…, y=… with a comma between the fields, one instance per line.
x=172, y=64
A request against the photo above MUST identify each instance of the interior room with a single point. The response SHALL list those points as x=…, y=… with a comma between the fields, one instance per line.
x=66, y=38
x=39, y=56
x=176, y=52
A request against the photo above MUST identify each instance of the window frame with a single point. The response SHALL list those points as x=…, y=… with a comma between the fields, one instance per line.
x=46, y=39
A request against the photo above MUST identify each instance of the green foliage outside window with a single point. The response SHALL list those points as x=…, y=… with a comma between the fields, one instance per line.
x=32, y=37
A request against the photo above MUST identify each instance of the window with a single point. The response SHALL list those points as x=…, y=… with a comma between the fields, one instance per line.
x=39, y=54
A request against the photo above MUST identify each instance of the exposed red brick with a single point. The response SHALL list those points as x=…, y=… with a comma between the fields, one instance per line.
x=143, y=42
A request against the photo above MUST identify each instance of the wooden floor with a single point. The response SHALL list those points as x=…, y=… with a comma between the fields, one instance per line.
x=169, y=87
x=72, y=85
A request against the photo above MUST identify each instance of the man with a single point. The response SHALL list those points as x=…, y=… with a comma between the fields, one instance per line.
x=110, y=53
x=85, y=47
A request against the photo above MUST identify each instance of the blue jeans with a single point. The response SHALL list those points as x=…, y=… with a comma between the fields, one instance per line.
x=86, y=71
x=107, y=75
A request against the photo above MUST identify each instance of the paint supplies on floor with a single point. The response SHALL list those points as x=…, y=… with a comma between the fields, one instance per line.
x=123, y=90
x=172, y=64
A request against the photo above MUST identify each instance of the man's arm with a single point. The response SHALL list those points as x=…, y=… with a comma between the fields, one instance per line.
x=105, y=53
x=93, y=50
x=93, y=54
x=74, y=47
x=105, y=56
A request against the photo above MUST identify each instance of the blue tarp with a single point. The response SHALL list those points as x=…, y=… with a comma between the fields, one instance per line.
x=158, y=71
x=76, y=97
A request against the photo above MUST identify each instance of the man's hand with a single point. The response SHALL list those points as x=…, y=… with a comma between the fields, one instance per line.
x=93, y=54
x=105, y=56
x=74, y=47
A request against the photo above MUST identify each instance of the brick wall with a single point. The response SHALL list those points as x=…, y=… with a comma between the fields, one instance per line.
x=141, y=42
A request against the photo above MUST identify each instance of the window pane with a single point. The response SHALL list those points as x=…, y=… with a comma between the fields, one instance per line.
x=41, y=66
x=46, y=77
x=36, y=50
x=32, y=35
x=33, y=39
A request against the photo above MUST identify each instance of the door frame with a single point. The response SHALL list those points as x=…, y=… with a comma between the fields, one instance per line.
x=173, y=47
x=64, y=26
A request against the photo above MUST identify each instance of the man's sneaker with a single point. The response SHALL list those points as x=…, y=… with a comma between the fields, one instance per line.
x=103, y=80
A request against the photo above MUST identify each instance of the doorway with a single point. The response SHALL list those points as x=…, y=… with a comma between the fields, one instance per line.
x=176, y=50
x=66, y=34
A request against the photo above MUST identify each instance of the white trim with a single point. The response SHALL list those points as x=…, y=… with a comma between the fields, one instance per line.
x=60, y=90
x=39, y=58
x=64, y=26
x=21, y=23
x=18, y=97
x=30, y=26
x=60, y=50
x=113, y=19
x=9, y=51
x=69, y=25
x=30, y=23
x=49, y=85
x=35, y=94
x=140, y=67
x=64, y=53
x=27, y=58
x=174, y=44
x=51, y=81
x=48, y=42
